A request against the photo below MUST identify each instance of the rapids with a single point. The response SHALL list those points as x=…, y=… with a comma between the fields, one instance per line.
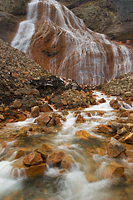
x=85, y=180
x=59, y=41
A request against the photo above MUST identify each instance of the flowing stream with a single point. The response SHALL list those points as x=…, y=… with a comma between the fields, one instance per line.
x=85, y=180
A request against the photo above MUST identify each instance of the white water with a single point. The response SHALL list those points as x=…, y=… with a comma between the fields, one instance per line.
x=7, y=182
x=84, y=50
x=72, y=185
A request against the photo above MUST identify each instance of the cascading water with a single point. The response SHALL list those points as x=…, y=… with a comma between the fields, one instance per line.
x=59, y=41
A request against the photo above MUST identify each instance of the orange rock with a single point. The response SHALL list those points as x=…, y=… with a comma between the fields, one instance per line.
x=44, y=150
x=113, y=170
x=33, y=159
x=21, y=117
x=55, y=157
x=103, y=129
x=84, y=135
x=57, y=121
x=114, y=148
x=43, y=119
x=114, y=104
x=36, y=170
x=21, y=152
x=67, y=162
x=80, y=119
x=102, y=100
x=21, y=132
x=130, y=118
x=129, y=138
x=35, y=111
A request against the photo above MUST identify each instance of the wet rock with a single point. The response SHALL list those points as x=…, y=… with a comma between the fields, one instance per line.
x=57, y=121
x=55, y=158
x=129, y=138
x=84, y=135
x=116, y=126
x=102, y=100
x=21, y=132
x=21, y=152
x=114, y=148
x=103, y=129
x=130, y=118
x=36, y=170
x=80, y=119
x=33, y=159
x=121, y=131
x=45, y=108
x=114, y=104
x=43, y=120
x=44, y=150
x=68, y=162
x=35, y=111
x=113, y=170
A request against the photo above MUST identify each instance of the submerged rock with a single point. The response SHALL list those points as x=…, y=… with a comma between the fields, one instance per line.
x=115, y=148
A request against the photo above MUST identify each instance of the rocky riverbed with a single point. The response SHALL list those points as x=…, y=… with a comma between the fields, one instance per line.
x=56, y=134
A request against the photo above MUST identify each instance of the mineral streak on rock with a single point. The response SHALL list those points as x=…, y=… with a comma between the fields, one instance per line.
x=53, y=36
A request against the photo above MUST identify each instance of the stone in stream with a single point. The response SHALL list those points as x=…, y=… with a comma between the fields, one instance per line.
x=44, y=150
x=43, y=120
x=35, y=111
x=21, y=132
x=55, y=158
x=112, y=170
x=33, y=159
x=80, y=119
x=84, y=135
x=68, y=162
x=21, y=152
x=130, y=118
x=115, y=148
x=129, y=138
x=114, y=104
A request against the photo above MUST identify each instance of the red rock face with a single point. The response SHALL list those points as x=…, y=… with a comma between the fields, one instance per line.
x=62, y=44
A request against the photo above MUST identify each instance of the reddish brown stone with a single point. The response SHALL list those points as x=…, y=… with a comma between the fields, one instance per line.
x=113, y=170
x=36, y=170
x=103, y=129
x=35, y=111
x=114, y=104
x=114, y=148
x=102, y=100
x=84, y=135
x=80, y=119
x=67, y=162
x=43, y=119
x=21, y=152
x=55, y=157
x=57, y=121
x=17, y=104
x=129, y=138
x=33, y=159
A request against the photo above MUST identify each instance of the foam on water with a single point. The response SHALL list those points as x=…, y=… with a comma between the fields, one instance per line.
x=7, y=182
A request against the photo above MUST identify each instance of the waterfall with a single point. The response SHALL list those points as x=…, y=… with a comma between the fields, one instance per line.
x=59, y=41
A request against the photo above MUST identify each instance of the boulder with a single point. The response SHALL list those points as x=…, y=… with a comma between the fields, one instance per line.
x=44, y=150
x=21, y=152
x=102, y=100
x=35, y=111
x=67, y=162
x=129, y=138
x=55, y=158
x=17, y=103
x=43, y=120
x=130, y=118
x=80, y=119
x=21, y=132
x=57, y=121
x=114, y=104
x=112, y=170
x=33, y=159
x=36, y=170
x=115, y=148
x=84, y=135
x=103, y=129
